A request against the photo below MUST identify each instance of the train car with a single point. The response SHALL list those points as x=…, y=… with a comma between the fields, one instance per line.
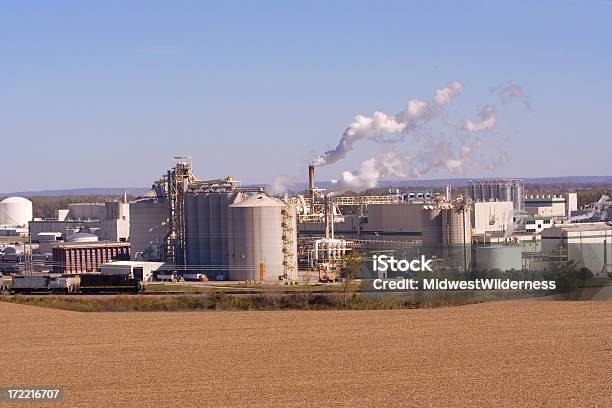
x=87, y=283
x=40, y=284
x=97, y=283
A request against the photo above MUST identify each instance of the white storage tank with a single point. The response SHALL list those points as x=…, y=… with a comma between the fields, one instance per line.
x=15, y=211
x=256, y=239
x=499, y=257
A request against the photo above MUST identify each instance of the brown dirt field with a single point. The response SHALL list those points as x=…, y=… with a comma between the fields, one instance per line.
x=535, y=353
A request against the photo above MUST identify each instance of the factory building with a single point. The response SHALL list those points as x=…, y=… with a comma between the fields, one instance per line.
x=491, y=216
x=148, y=228
x=551, y=205
x=15, y=211
x=401, y=222
x=587, y=244
x=498, y=190
x=535, y=224
x=65, y=227
x=81, y=257
x=110, y=221
x=348, y=226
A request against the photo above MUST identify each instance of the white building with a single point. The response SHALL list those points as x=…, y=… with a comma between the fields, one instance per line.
x=534, y=224
x=551, y=205
x=491, y=216
x=588, y=244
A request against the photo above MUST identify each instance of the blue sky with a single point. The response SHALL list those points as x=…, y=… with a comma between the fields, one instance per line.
x=104, y=94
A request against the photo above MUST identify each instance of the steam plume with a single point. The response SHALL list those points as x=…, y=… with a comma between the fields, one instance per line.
x=488, y=120
x=372, y=127
x=445, y=96
x=511, y=91
x=598, y=212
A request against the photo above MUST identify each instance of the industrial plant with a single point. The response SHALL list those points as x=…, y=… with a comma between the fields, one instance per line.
x=193, y=229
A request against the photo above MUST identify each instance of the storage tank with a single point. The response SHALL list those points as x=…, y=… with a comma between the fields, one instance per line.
x=206, y=232
x=456, y=226
x=499, y=257
x=431, y=226
x=256, y=239
x=518, y=195
x=15, y=211
x=456, y=237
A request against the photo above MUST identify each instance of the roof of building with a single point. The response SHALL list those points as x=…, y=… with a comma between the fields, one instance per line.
x=99, y=244
x=13, y=200
x=559, y=229
x=259, y=200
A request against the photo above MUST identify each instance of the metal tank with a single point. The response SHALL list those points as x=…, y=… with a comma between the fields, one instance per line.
x=456, y=237
x=206, y=232
x=500, y=257
x=256, y=239
x=15, y=211
x=518, y=193
x=431, y=228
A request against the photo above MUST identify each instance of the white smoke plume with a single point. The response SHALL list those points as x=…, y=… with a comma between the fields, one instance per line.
x=514, y=223
x=441, y=155
x=372, y=127
x=281, y=185
x=509, y=92
x=445, y=96
x=388, y=165
x=598, y=213
x=487, y=120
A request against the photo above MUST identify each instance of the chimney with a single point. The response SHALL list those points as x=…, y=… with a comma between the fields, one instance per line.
x=311, y=176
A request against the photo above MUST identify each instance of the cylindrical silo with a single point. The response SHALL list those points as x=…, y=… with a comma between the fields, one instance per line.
x=517, y=195
x=15, y=211
x=504, y=258
x=256, y=239
x=431, y=227
x=206, y=232
x=457, y=237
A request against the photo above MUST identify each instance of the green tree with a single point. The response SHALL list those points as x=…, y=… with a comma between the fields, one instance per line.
x=348, y=271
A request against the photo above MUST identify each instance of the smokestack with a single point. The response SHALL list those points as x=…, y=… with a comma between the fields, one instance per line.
x=311, y=175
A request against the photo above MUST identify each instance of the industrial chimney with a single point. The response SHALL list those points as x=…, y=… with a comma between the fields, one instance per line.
x=311, y=175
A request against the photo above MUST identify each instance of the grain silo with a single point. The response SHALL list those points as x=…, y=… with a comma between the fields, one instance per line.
x=259, y=239
x=500, y=257
x=15, y=211
x=431, y=226
x=206, y=231
x=457, y=236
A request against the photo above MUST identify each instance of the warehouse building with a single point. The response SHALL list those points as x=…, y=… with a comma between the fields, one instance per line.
x=551, y=205
x=82, y=257
x=148, y=228
x=587, y=244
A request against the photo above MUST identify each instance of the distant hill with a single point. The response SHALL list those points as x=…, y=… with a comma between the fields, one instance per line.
x=78, y=192
x=455, y=182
